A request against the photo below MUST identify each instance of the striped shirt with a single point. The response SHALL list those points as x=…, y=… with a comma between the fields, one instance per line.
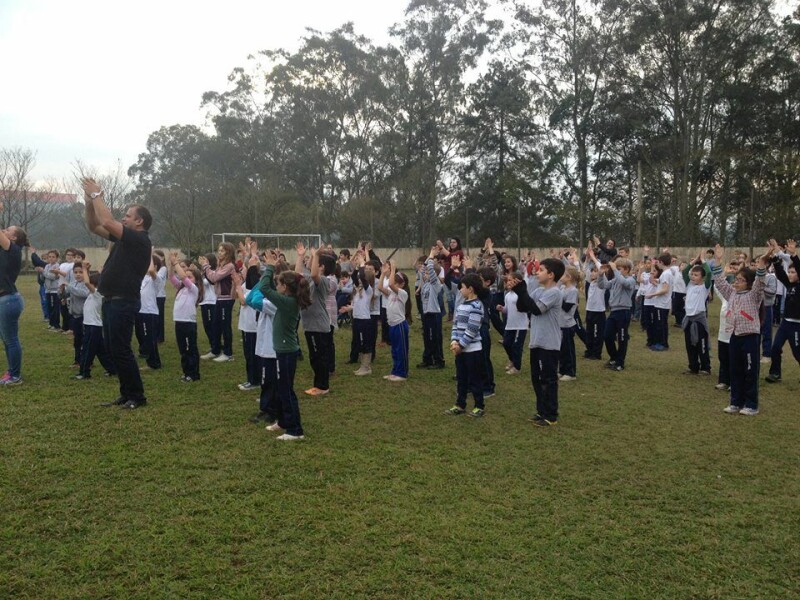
x=467, y=326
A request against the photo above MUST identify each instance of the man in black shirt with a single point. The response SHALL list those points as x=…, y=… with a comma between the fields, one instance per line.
x=119, y=285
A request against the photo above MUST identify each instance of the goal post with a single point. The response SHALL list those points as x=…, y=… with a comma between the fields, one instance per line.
x=268, y=240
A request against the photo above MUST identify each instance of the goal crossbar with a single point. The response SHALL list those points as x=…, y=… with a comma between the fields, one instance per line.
x=277, y=236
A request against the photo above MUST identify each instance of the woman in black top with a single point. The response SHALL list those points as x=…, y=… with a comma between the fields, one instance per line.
x=12, y=240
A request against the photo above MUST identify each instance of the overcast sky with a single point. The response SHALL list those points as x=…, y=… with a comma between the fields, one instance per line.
x=91, y=79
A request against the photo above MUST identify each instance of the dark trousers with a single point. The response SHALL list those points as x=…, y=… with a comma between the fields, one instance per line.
x=318, y=355
x=332, y=352
x=432, y=338
x=678, y=306
x=207, y=314
x=724, y=354
x=744, y=370
x=186, y=339
x=119, y=317
x=567, y=361
x=418, y=300
x=595, y=332
x=787, y=331
x=617, y=334
x=63, y=309
x=54, y=309
x=160, y=302
x=146, y=334
x=93, y=346
x=488, y=368
x=76, y=325
x=288, y=408
x=384, y=326
x=398, y=335
x=363, y=338
x=250, y=362
x=44, y=303
x=223, y=327
x=268, y=378
x=777, y=313
x=766, y=331
x=514, y=342
x=495, y=317
x=469, y=378
x=580, y=332
x=544, y=376
x=659, y=327
x=699, y=355
x=648, y=311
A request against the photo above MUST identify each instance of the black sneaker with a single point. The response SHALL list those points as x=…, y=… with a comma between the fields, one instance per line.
x=536, y=417
x=438, y=366
x=133, y=404
x=455, y=410
x=78, y=377
x=618, y=368
x=611, y=364
x=476, y=412
x=772, y=378
x=544, y=423
x=118, y=402
x=423, y=365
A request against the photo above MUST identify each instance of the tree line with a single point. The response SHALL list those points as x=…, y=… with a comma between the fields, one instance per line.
x=670, y=122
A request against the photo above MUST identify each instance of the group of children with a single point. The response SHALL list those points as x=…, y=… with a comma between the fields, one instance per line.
x=492, y=291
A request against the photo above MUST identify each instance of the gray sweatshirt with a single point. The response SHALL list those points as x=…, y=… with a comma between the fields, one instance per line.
x=77, y=293
x=50, y=279
x=621, y=290
x=430, y=288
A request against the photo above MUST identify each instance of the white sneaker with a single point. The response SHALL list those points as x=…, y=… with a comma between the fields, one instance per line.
x=274, y=427
x=223, y=358
x=395, y=378
x=749, y=412
x=288, y=437
x=208, y=355
x=731, y=410
x=567, y=378
x=362, y=371
x=246, y=386
x=513, y=371
x=722, y=386
x=765, y=360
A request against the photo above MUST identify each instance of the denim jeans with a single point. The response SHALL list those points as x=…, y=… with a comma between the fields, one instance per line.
x=119, y=316
x=11, y=307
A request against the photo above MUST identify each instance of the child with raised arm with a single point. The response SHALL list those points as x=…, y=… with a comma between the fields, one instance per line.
x=93, y=344
x=222, y=332
x=398, y=314
x=290, y=293
x=697, y=280
x=744, y=297
x=433, y=355
x=616, y=277
x=243, y=281
x=517, y=324
x=188, y=283
x=568, y=364
x=465, y=344
x=789, y=329
x=544, y=304
x=208, y=306
x=147, y=320
x=50, y=273
x=595, y=312
x=364, y=326
x=78, y=292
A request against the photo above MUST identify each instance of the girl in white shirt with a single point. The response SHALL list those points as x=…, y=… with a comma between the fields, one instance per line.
x=184, y=313
x=395, y=289
x=248, y=325
x=161, y=290
x=517, y=324
x=147, y=320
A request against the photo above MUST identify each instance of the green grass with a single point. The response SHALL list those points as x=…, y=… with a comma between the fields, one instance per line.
x=645, y=489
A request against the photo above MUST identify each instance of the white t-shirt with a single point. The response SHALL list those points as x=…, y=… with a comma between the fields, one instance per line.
x=724, y=335
x=361, y=302
x=93, y=310
x=148, y=293
x=515, y=320
x=696, y=299
x=184, y=310
x=247, y=316
x=209, y=293
x=65, y=268
x=396, y=307
x=161, y=283
x=664, y=300
x=678, y=284
x=265, y=348
x=644, y=286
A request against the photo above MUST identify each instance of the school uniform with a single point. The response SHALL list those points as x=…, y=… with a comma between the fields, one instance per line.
x=161, y=300
x=146, y=324
x=595, y=319
x=266, y=357
x=617, y=331
x=433, y=354
x=678, y=295
x=248, y=325
x=789, y=329
x=317, y=327
x=93, y=343
x=469, y=362
x=207, y=310
x=78, y=293
x=568, y=364
x=695, y=324
x=51, y=295
x=184, y=314
x=517, y=324
x=398, y=331
x=661, y=306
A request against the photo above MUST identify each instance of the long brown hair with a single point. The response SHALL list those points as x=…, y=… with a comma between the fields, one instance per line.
x=198, y=283
x=297, y=286
x=404, y=285
x=230, y=252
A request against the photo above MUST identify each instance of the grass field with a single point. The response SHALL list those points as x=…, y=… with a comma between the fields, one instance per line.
x=645, y=489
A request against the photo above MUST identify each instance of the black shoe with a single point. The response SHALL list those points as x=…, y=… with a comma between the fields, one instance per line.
x=535, y=418
x=439, y=366
x=772, y=378
x=541, y=422
x=133, y=404
x=423, y=365
x=118, y=402
x=261, y=416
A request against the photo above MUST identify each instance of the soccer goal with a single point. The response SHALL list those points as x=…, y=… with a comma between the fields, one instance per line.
x=268, y=240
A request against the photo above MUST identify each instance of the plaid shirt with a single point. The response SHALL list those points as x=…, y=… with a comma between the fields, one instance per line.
x=743, y=307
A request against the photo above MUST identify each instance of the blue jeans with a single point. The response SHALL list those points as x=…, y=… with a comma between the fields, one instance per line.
x=119, y=316
x=11, y=307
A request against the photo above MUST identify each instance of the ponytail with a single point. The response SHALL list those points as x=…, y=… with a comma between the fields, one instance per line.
x=297, y=286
